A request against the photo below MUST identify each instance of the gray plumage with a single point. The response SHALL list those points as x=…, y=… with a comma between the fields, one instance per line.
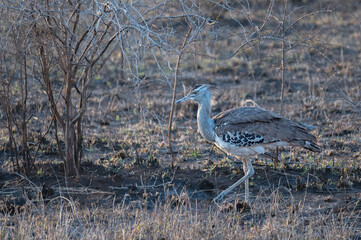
x=246, y=131
x=268, y=125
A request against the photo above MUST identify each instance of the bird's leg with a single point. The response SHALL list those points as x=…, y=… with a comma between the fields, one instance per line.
x=249, y=173
x=246, y=182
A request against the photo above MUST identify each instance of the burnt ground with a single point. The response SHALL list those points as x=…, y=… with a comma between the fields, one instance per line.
x=326, y=189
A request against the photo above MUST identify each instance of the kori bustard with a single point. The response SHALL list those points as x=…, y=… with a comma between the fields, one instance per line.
x=246, y=131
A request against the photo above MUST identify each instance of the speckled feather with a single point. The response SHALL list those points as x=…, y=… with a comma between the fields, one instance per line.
x=242, y=139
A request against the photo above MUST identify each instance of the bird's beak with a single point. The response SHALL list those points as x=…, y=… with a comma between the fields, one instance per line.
x=183, y=99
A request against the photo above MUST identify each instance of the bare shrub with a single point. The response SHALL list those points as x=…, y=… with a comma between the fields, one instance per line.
x=14, y=78
x=68, y=40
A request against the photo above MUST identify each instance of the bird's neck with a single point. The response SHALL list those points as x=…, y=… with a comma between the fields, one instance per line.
x=205, y=123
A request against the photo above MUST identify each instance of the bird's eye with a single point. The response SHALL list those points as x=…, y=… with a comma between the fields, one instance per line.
x=195, y=93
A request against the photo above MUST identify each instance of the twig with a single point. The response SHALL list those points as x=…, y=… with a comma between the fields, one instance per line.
x=173, y=96
x=356, y=106
x=283, y=58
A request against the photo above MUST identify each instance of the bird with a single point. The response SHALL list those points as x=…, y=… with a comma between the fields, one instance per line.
x=245, y=132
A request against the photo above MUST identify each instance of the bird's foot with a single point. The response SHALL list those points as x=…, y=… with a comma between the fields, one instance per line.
x=219, y=198
x=243, y=206
x=239, y=206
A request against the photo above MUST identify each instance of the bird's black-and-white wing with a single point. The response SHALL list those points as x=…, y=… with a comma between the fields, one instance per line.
x=253, y=127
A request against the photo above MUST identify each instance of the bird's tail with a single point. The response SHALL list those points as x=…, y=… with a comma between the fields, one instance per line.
x=310, y=145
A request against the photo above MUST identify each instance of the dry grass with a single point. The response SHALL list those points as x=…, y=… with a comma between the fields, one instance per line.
x=273, y=217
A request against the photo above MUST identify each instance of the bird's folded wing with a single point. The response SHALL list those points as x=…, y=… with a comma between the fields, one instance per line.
x=258, y=121
x=245, y=115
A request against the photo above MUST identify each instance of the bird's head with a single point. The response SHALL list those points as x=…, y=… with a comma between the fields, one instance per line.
x=199, y=93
